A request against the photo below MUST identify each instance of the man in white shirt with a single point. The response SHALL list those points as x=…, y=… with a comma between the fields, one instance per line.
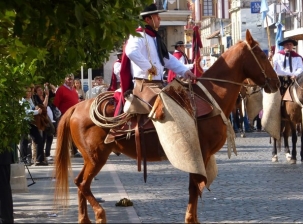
x=148, y=56
x=287, y=63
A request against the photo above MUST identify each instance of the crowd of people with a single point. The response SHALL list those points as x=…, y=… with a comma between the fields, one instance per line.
x=47, y=103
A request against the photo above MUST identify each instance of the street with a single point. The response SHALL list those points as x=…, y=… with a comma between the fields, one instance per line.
x=249, y=187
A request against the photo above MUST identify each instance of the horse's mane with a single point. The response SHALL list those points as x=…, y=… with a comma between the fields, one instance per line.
x=227, y=52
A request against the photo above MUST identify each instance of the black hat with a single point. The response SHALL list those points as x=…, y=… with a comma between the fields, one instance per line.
x=288, y=40
x=151, y=9
x=119, y=52
x=178, y=43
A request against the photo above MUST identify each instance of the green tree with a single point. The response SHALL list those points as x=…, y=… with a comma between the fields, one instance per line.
x=44, y=40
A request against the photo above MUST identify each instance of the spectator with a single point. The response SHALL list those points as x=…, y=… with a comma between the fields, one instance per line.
x=34, y=132
x=42, y=97
x=66, y=97
x=99, y=87
x=78, y=87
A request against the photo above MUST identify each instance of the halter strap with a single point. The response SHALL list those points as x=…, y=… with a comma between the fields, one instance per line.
x=253, y=54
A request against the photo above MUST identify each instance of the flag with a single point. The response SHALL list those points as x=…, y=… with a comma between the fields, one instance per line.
x=279, y=35
x=221, y=28
x=264, y=9
x=196, y=45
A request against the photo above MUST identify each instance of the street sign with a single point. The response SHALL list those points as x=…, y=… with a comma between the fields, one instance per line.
x=255, y=7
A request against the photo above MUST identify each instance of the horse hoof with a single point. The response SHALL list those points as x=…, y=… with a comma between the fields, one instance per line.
x=243, y=135
x=274, y=159
x=288, y=156
x=292, y=161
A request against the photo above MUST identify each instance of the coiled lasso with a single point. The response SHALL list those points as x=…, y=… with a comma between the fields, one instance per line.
x=100, y=119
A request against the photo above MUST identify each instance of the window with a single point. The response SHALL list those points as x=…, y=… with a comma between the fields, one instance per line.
x=207, y=8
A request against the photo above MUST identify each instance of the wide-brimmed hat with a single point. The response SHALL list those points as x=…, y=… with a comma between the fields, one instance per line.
x=178, y=43
x=288, y=40
x=119, y=52
x=151, y=9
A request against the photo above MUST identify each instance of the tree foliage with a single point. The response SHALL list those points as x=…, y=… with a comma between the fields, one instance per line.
x=44, y=40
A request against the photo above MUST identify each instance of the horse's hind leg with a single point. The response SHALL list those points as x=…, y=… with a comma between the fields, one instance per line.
x=196, y=186
x=83, y=181
x=82, y=205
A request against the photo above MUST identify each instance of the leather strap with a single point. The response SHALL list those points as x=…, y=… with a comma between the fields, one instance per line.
x=138, y=143
x=143, y=148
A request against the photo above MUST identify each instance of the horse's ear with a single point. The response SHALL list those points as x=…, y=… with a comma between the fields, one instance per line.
x=249, y=38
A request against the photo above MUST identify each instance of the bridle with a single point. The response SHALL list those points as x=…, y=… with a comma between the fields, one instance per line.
x=262, y=70
x=267, y=79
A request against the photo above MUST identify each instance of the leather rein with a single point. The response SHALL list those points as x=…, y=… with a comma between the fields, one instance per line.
x=242, y=84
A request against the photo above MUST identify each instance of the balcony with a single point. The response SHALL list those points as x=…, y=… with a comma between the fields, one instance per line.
x=294, y=26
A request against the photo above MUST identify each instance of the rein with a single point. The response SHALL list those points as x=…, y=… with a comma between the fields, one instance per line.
x=242, y=84
x=224, y=80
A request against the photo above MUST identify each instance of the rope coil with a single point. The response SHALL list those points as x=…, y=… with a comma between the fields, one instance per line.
x=100, y=119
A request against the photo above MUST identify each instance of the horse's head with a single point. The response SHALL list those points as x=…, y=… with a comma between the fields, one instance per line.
x=258, y=68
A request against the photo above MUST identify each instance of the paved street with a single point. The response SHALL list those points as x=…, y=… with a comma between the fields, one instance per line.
x=249, y=187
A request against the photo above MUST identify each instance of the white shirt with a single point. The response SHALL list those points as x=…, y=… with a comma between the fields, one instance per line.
x=117, y=69
x=278, y=61
x=136, y=50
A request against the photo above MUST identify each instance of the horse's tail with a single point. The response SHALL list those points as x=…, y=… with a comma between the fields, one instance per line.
x=62, y=160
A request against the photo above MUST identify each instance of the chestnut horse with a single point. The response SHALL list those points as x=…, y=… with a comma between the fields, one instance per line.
x=223, y=81
x=291, y=115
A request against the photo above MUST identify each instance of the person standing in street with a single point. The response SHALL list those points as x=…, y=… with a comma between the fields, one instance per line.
x=79, y=89
x=66, y=97
x=35, y=134
x=179, y=53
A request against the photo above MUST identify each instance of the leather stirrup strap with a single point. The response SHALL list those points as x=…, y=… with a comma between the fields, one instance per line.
x=138, y=143
x=143, y=147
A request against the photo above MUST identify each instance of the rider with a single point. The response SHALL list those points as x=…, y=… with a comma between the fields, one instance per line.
x=148, y=56
x=287, y=63
x=115, y=80
x=181, y=56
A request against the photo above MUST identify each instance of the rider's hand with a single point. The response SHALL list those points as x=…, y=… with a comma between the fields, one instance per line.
x=189, y=75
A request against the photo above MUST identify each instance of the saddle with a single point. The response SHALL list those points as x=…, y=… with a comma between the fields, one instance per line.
x=138, y=125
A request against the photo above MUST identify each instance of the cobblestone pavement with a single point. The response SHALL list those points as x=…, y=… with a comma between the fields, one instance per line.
x=249, y=187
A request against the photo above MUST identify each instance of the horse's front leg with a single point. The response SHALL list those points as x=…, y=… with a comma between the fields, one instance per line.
x=274, y=151
x=196, y=186
x=286, y=146
x=294, y=139
x=301, y=152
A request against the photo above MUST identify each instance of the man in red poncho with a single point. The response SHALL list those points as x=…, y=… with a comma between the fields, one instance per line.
x=181, y=56
x=115, y=80
x=145, y=57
